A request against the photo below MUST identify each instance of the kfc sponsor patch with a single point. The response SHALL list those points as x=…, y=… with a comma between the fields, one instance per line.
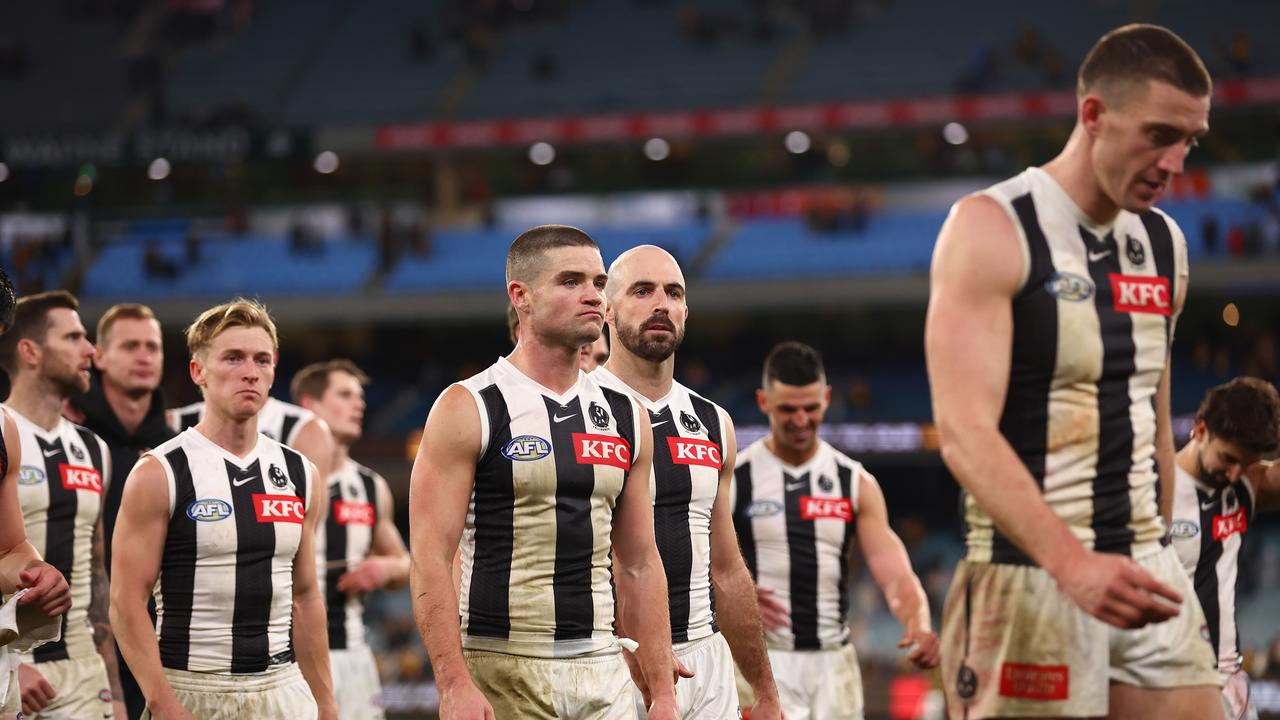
x=278, y=508
x=80, y=478
x=353, y=513
x=693, y=451
x=592, y=449
x=1140, y=294
x=1224, y=526
x=815, y=508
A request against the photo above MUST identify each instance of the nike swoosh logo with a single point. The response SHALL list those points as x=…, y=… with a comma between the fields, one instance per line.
x=241, y=481
x=660, y=422
x=796, y=486
x=1207, y=506
x=1094, y=257
x=559, y=419
x=51, y=453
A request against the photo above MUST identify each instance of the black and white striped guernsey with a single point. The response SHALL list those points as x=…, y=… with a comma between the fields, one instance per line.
x=1208, y=528
x=224, y=597
x=537, y=577
x=796, y=529
x=277, y=419
x=347, y=540
x=688, y=452
x=60, y=485
x=1092, y=326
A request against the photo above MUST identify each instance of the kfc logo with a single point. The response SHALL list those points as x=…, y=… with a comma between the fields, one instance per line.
x=1224, y=526
x=1137, y=294
x=80, y=478
x=814, y=508
x=601, y=450
x=353, y=513
x=278, y=508
x=692, y=451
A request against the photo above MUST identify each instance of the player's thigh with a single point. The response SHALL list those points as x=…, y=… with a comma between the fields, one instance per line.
x=1201, y=702
x=789, y=671
x=711, y=693
x=514, y=686
x=839, y=694
x=1013, y=645
x=83, y=690
x=356, y=686
x=602, y=689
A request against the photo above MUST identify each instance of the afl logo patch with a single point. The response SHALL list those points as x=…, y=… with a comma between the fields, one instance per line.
x=763, y=508
x=526, y=448
x=276, y=475
x=30, y=475
x=1137, y=254
x=966, y=682
x=1069, y=286
x=690, y=422
x=208, y=510
x=1183, y=529
x=599, y=416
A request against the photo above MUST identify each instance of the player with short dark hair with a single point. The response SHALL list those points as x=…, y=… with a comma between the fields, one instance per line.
x=1053, y=300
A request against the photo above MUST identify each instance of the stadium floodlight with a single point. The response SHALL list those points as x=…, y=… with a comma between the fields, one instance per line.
x=4, y=172
x=542, y=153
x=158, y=169
x=326, y=162
x=657, y=149
x=955, y=133
x=798, y=142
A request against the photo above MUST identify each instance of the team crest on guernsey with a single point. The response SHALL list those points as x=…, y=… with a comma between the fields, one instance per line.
x=526, y=448
x=690, y=422
x=966, y=682
x=30, y=475
x=277, y=477
x=77, y=453
x=599, y=416
x=825, y=483
x=1133, y=248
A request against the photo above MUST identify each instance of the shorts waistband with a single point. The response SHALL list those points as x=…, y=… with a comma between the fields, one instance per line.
x=217, y=682
x=610, y=655
x=689, y=647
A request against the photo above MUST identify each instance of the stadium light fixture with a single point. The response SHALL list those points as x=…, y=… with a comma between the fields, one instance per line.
x=798, y=142
x=657, y=149
x=158, y=169
x=326, y=162
x=542, y=153
x=955, y=133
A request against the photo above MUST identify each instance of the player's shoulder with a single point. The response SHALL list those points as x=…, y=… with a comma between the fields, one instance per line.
x=752, y=453
x=835, y=455
x=86, y=434
x=1156, y=216
x=486, y=378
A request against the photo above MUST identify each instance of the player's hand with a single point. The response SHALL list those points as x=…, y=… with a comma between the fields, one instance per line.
x=773, y=614
x=47, y=589
x=36, y=690
x=664, y=709
x=924, y=648
x=766, y=709
x=119, y=710
x=1116, y=590
x=327, y=711
x=465, y=702
x=368, y=575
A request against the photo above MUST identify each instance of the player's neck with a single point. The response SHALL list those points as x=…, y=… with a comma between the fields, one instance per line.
x=1072, y=169
x=651, y=379
x=238, y=437
x=794, y=458
x=1187, y=457
x=130, y=408
x=341, y=453
x=552, y=367
x=35, y=399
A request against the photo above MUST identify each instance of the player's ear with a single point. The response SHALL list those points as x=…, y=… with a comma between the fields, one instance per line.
x=196, y=369
x=518, y=293
x=826, y=396
x=762, y=401
x=97, y=357
x=29, y=351
x=1092, y=108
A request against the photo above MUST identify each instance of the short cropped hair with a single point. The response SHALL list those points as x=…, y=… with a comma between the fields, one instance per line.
x=240, y=312
x=525, y=257
x=123, y=311
x=312, y=380
x=793, y=363
x=1137, y=53
x=31, y=322
x=1244, y=412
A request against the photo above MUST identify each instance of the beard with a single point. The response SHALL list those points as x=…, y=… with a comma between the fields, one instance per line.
x=70, y=385
x=652, y=350
x=1217, y=480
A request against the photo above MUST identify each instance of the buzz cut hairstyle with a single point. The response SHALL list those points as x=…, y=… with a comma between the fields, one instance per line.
x=240, y=312
x=1137, y=53
x=123, y=311
x=313, y=380
x=793, y=363
x=31, y=322
x=525, y=257
x=1244, y=412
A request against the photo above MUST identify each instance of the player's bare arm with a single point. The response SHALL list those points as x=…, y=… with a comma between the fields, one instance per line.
x=1165, y=450
x=138, y=546
x=388, y=563
x=439, y=493
x=315, y=442
x=312, y=645
x=1264, y=478
x=641, y=580
x=735, y=593
x=891, y=567
x=977, y=269
x=99, y=602
x=20, y=565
